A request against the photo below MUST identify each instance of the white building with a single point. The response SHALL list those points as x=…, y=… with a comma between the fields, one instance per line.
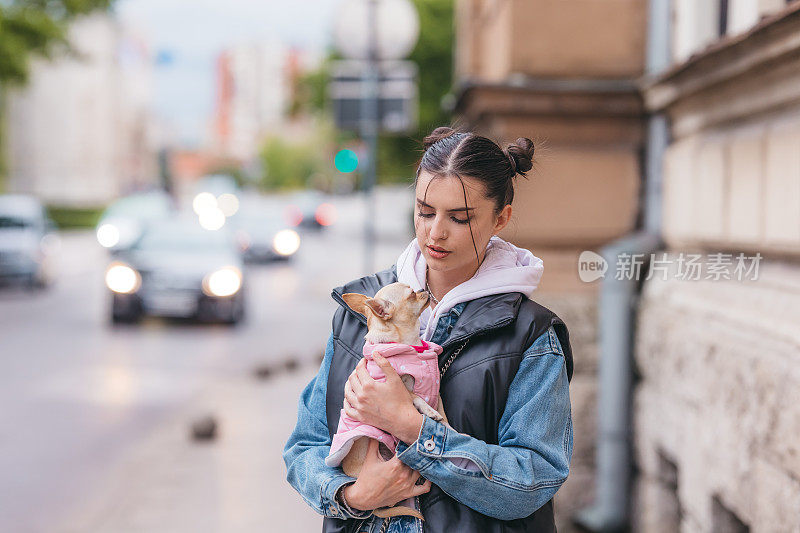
x=79, y=133
x=253, y=94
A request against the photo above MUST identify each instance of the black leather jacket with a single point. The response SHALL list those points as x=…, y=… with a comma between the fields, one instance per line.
x=496, y=324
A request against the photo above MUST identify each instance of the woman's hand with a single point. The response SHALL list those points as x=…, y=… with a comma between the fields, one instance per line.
x=386, y=405
x=383, y=483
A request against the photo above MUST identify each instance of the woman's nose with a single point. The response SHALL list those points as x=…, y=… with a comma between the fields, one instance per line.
x=437, y=230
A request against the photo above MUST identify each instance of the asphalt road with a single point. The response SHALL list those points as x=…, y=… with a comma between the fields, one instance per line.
x=80, y=395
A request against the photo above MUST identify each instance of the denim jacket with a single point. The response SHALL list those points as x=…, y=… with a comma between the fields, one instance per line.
x=522, y=472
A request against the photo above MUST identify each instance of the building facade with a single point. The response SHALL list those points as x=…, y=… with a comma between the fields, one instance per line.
x=253, y=88
x=80, y=133
x=715, y=411
x=563, y=73
x=714, y=422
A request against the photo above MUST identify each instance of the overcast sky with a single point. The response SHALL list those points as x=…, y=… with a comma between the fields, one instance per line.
x=188, y=35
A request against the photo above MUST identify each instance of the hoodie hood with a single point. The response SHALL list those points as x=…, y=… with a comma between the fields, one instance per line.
x=505, y=268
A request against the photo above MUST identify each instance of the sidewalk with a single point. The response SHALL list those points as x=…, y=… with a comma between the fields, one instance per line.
x=235, y=483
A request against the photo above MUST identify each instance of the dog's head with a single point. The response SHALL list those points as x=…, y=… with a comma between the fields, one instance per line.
x=392, y=314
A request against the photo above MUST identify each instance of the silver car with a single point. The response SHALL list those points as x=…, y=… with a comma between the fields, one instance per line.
x=178, y=269
x=124, y=220
x=264, y=236
x=27, y=239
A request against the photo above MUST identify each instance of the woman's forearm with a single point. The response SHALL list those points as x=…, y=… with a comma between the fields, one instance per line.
x=513, y=484
x=309, y=444
x=524, y=470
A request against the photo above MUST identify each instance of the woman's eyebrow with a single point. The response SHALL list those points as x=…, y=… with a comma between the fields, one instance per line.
x=423, y=204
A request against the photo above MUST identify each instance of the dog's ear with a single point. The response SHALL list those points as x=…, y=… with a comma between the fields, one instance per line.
x=383, y=309
x=355, y=301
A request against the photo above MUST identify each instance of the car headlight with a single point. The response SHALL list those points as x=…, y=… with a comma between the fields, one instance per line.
x=286, y=242
x=108, y=235
x=122, y=279
x=223, y=282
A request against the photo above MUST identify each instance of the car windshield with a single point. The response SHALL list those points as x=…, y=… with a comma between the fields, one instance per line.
x=184, y=238
x=146, y=206
x=261, y=222
x=9, y=222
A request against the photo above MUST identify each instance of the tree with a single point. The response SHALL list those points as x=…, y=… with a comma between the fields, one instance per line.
x=433, y=55
x=36, y=28
x=30, y=28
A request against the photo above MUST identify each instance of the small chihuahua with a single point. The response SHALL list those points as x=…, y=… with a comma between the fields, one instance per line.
x=393, y=329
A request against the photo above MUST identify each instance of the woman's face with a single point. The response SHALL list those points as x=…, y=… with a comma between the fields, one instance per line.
x=442, y=222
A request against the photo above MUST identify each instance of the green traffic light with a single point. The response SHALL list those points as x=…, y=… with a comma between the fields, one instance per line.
x=345, y=161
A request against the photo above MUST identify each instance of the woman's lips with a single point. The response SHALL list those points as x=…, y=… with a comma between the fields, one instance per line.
x=437, y=254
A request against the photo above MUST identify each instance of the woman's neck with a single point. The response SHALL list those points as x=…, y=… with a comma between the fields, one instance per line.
x=440, y=283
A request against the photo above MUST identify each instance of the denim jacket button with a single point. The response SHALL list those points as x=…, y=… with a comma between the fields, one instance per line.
x=430, y=445
x=334, y=512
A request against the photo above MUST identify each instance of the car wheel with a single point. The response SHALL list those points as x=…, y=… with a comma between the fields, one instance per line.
x=119, y=317
x=237, y=314
x=33, y=282
x=124, y=319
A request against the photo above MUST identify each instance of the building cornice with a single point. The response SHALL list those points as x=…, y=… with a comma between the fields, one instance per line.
x=773, y=42
x=524, y=95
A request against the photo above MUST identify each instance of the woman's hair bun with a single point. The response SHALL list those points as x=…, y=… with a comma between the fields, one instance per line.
x=520, y=153
x=437, y=135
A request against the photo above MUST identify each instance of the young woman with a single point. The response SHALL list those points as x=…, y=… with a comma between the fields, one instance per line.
x=506, y=366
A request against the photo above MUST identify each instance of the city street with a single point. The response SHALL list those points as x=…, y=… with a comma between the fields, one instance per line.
x=94, y=435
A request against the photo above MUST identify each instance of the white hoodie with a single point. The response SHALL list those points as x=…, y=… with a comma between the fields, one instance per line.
x=505, y=268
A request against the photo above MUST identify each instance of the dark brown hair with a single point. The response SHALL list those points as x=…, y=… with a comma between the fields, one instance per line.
x=449, y=152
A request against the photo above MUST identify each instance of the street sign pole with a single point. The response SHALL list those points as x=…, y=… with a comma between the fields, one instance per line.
x=376, y=32
x=369, y=132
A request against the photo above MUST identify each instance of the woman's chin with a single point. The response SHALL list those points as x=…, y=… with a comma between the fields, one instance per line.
x=439, y=265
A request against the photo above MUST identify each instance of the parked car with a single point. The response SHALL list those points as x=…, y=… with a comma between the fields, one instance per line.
x=264, y=236
x=27, y=240
x=310, y=210
x=178, y=269
x=124, y=220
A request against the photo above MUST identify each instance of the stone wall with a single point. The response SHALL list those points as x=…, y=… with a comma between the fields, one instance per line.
x=717, y=411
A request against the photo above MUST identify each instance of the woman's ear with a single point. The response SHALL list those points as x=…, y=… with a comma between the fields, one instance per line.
x=502, y=219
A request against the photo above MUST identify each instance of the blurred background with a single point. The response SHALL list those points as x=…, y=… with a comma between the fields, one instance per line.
x=183, y=182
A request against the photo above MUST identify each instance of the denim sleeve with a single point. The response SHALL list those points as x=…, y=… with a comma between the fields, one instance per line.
x=531, y=461
x=309, y=444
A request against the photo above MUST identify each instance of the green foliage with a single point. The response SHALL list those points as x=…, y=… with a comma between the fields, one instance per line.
x=30, y=28
x=433, y=55
x=36, y=27
x=311, y=96
x=287, y=165
x=72, y=217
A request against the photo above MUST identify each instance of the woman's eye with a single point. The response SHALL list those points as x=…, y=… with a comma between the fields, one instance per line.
x=454, y=219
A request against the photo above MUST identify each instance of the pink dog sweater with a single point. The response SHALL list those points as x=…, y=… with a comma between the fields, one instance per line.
x=422, y=362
